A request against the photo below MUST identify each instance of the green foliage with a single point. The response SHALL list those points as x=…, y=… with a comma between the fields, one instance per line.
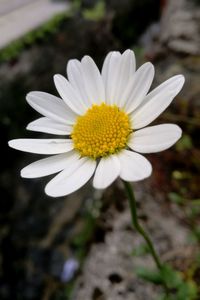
x=149, y=275
x=167, y=275
x=186, y=291
x=141, y=250
x=191, y=208
x=68, y=290
x=194, y=210
x=195, y=202
x=96, y=13
x=176, y=198
x=81, y=240
x=178, y=288
x=178, y=175
x=171, y=277
x=185, y=143
x=195, y=234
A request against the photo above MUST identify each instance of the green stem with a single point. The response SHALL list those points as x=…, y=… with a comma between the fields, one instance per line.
x=137, y=226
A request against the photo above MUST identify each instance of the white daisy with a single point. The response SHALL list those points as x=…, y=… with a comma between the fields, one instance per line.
x=102, y=116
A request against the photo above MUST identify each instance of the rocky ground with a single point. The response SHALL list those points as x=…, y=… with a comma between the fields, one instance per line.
x=109, y=270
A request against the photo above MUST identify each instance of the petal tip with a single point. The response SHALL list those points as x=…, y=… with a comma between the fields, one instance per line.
x=29, y=97
x=179, y=132
x=96, y=186
x=151, y=67
x=51, y=192
x=128, y=51
x=24, y=174
x=148, y=68
x=86, y=59
x=30, y=128
x=56, y=77
x=179, y=81
x=28, y=94
x=12, y=143
x=182, y=79
x=48, y=191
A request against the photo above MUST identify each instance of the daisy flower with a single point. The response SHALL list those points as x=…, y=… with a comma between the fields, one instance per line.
x=103, y=116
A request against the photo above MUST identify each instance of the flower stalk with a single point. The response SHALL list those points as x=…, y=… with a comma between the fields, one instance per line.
x=138, y=227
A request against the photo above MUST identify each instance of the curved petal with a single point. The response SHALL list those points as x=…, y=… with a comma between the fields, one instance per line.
x=49, y=165
x=75, y=76
x=51, y=107
x=42, y=146
x=110, y=73
x=138, y=87
x=49, y=126
x=128, y=58
x=105, y=67
x=69, y=94
x=93, y=81
x=125, y=72
x=156, y=102
x=72, y=178
x=134, y=167
x=155, y=138
x=107, y=171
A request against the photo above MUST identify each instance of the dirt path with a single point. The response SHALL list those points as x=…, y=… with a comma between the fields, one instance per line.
x=22, y=16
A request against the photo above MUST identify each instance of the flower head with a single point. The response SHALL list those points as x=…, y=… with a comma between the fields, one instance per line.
x=103, y=116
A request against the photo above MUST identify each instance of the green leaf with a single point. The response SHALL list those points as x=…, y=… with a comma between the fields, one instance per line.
x=153, y=276
x=178, y=175
x=171, y=277
x=176, y=198
x=141, y=250
x=195, y=202
x=96, y=13
x=187, y=291
x=185, y=143
x=167, y=275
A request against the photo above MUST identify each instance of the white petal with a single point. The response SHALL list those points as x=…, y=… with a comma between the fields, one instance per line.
x=128, y=58
x=107, y=171
x=75, y=76
x=51, y=107
x=42, y=146
x=72, y=178
x=138, y=87
x=69, y=94
x=155, y=138
x=134, y=167
x=105, y=67
x=49, y=165
x=110, y=73
x=156, y=102
x=125, y=74
x=49, y=126
x=93, y=81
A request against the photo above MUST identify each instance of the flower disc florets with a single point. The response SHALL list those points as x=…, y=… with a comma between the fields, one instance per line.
x=102, y=130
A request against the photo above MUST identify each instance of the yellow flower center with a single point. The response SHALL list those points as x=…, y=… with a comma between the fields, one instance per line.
x=102, y=130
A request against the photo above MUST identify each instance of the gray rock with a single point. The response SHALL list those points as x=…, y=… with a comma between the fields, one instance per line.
x=108, y=272
x=178, y=30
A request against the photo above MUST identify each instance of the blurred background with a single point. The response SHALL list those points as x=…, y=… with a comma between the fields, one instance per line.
x=82, y=247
